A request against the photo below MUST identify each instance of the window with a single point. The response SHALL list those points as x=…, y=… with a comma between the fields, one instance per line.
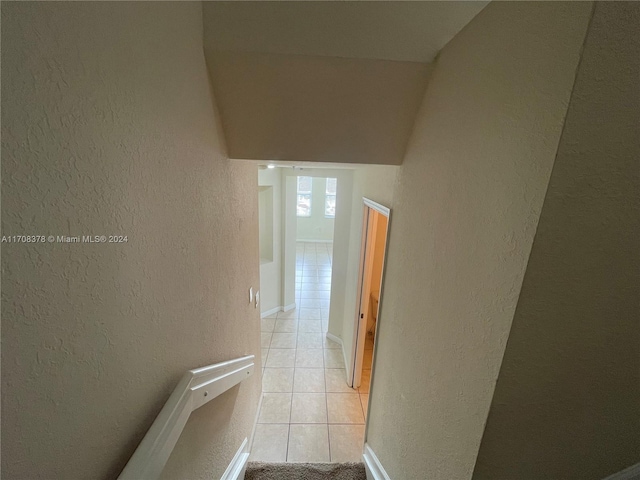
x=330, y=198
x=304, y=197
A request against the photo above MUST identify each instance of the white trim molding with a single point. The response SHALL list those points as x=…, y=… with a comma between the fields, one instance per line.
x=277, y=309
x=271, y=311
x=630, y=473
x=196, y=388
x=237, y=467
x=333, y=338
x=336, y=339
x=372, y=465
x=386, y=211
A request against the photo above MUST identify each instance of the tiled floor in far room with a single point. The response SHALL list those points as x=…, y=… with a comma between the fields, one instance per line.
x=308, y=412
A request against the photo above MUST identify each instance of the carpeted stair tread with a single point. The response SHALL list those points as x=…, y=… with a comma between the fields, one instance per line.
x=305, y=471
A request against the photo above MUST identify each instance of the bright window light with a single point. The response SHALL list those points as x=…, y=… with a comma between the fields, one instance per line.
x=304, y=197
x=330, y=198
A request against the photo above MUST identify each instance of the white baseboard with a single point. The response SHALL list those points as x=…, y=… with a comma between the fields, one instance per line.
x=372, y=465
x=277, y=309
x=630, y=473
x=344, y=356
x=271, y=311
x=237, y=467
x=346, y=365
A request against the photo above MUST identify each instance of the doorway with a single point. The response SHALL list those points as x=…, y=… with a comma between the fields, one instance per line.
x=375, y=227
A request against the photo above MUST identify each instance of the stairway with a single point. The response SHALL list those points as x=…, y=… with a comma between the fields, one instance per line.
x=305, y=471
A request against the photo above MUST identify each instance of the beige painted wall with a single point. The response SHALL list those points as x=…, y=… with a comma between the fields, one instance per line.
x=314, y=108
x=377, y=183
x=567, y=401
x=271, y=272
x=466, y=208
x=317, y=226
x=108, y=128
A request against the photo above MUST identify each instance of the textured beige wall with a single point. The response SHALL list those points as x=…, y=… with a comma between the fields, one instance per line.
x=377, y=183
x=400, y=31
x=465, y=212
x=567, y=401
x=108, y=128
x=321, y=109
x=271, y=273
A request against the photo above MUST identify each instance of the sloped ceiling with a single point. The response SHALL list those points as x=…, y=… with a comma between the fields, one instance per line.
x=324, y=81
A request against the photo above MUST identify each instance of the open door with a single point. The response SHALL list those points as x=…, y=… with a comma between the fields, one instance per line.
x=375, y=228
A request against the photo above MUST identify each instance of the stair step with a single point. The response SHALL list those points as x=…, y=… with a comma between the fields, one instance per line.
x=305, y=471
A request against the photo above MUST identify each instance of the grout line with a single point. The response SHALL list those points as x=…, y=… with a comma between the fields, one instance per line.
x=326, y=401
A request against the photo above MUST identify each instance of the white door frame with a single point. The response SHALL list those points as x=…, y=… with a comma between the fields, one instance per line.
x=364, y=273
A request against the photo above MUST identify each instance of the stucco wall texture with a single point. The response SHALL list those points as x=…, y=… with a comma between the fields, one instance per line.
x=466, y=207
x=108, y=127
x=568, y=392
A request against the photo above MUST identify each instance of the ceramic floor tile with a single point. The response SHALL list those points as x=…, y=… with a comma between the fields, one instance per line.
x=308, y=443
x=346, y=442
x=270, y=443
x=277, y=380
x=276, y=408
x=328, y=343
x=310, y=314
x=333, y=358
x=309, y=340
x=286, y=325
x=283, y=340
x=308, y=380
x=311, y=303
x=263, y=355
x=344, y=408
x=313, y=294
x=309, y=408
x=315, y=287
x=336, y=381
x=310, y=326
x=265, y=339
x=281, y=358
x=309, y=358
x=267, y=324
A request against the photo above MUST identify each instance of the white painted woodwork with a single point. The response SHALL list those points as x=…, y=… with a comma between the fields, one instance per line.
x=196, y=388
x=373, y=467
x=238, y=465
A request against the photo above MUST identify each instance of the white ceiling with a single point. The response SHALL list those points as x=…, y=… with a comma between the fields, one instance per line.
x=405, y=31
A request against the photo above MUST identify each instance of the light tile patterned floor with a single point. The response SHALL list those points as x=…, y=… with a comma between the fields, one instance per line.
x=308, y=412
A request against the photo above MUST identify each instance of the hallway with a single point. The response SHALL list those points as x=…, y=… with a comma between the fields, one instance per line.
x=308, y=413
